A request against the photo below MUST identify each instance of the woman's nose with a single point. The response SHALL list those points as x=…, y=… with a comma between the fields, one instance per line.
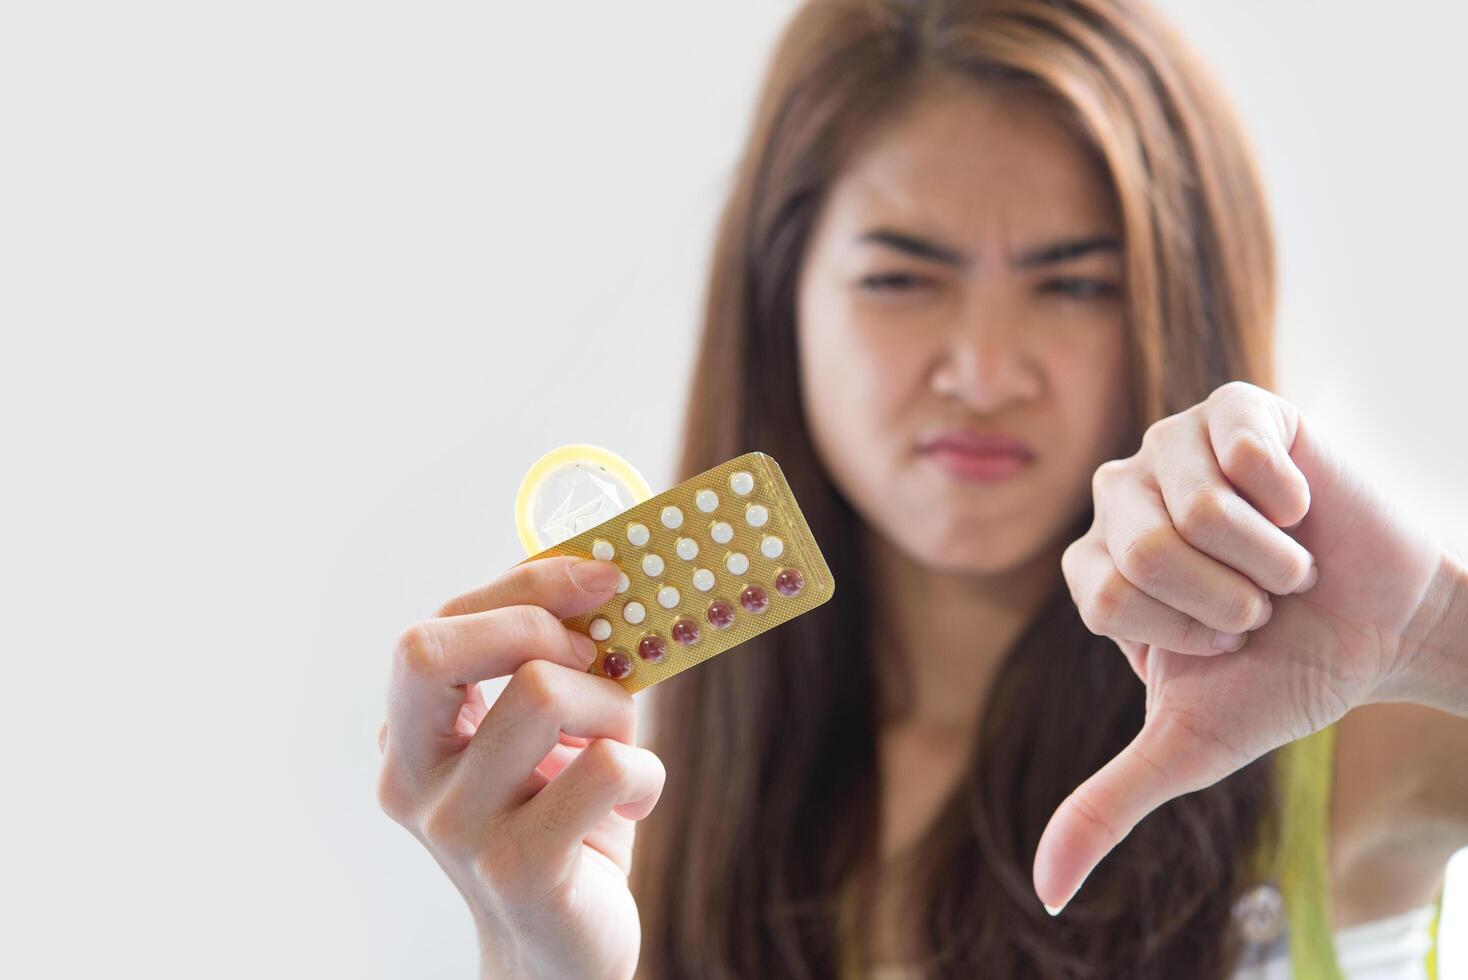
x=984, y=364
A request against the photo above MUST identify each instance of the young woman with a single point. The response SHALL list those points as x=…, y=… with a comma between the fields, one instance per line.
x=995, y=286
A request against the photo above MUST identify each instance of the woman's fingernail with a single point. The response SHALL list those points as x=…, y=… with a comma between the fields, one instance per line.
x=1311, y=577
x=1228, y=642
x=1057, y=909
x=593, y=575
x=1266, y=612
x=585, y=648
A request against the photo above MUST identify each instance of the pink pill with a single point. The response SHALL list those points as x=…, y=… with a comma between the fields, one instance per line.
x=789, y=582
x=651, y=648
x=721, y=614
x=617, y=665
x=754, y=599
x=685, y=631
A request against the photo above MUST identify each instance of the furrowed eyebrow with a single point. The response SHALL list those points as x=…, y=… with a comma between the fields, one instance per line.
x=1053, y=253
x=1068, y=251
x=912, y=245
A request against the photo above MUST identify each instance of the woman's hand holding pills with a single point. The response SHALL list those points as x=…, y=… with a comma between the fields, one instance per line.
x=528, y=805
x=1258, y=588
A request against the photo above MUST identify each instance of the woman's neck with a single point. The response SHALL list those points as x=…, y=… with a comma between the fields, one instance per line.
x=950, y=631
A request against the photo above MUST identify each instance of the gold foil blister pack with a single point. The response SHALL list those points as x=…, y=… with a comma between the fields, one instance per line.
x=706, y=565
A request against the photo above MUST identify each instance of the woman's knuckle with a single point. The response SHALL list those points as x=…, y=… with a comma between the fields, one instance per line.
x=1204, y=517
x=1145, y=556
x=1193, y=635
x=604, y=764
x=1160, y=431
x=1242, y=610
x=419, y=650
x=393, y=795
x=538, y=627
x=1246, y=455
x=537, y=688
x=1107, y=602
x=1231, y=390
x=1072, y=569
x=1106, y=476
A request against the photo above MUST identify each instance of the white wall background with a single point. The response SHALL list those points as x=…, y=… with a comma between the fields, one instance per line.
x=292, y=292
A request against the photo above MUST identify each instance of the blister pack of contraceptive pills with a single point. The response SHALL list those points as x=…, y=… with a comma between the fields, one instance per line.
x=713, y=562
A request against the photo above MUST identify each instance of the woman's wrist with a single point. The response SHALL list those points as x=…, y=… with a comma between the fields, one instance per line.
x=498, y=956
x=1433, y=658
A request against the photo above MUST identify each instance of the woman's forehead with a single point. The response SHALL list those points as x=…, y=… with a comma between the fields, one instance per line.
x=975, y=161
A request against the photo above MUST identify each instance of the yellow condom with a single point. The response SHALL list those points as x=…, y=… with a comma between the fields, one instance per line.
x=571, y=489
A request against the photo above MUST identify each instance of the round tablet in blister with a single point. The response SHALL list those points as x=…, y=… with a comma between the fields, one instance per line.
x=571, y=489
x=721, y=532
x=789, y=581
x=685, y=631
x=651, y=648
x=754, y=599
x=617, y=665
x=742, y=482
x=721, y=614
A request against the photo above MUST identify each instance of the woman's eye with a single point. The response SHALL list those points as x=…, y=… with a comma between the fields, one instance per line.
x=1080, y=288
x=890, y=281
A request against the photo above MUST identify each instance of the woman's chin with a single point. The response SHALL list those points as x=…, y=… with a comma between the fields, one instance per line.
x=974, y=551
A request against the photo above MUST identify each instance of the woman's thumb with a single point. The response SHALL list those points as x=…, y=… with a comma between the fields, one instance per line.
x=1164, y=761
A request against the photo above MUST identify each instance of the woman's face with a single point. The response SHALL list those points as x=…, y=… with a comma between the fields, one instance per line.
x=964, y=281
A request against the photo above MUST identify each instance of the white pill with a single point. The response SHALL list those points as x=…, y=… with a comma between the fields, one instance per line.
x=687, y=549
x=634, y=613
x=707, y=501
x=741, y=482
x=756, y=515
x=668, y=597
x=599, y=630
x=672, y=518
x=637, y=534
x=771, y=546
x=703, y=580
x=602, y=549
x=623, y=583
x=652, y=566
x=737, y=562
x=721, y=532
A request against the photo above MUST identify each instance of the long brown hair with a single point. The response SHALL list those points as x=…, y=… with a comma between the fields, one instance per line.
x=771, y=800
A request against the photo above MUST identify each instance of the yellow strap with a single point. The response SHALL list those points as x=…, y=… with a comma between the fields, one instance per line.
x=1305, y=773
x=1431, y=962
